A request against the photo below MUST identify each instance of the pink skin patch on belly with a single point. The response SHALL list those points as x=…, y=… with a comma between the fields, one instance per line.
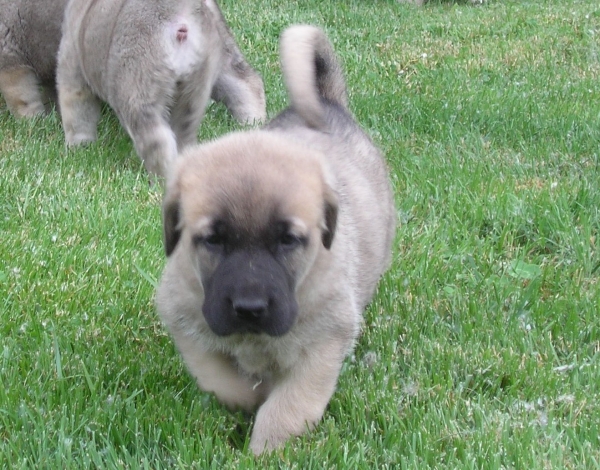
x=182, y=32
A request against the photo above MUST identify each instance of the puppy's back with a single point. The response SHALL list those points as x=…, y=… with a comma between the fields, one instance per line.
x=319, y=119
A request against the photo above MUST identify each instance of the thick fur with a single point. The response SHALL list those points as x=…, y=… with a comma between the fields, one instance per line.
x=156, y=64
x=276, y=239
x=30, y=33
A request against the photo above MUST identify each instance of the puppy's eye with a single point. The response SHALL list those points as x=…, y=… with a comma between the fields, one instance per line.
x=214, y=239
x=289, y=241
x=213, y=242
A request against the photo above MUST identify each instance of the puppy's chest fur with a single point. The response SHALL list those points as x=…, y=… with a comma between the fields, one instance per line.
x=263, y=356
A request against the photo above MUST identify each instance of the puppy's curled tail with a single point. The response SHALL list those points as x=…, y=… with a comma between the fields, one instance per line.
x=311, y=72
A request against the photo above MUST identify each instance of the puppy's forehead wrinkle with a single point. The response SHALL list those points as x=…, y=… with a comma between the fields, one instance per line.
x=251, y=231
x=250, y=178
x=251, y=155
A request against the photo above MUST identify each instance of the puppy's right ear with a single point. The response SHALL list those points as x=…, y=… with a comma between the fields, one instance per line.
x=171, y=219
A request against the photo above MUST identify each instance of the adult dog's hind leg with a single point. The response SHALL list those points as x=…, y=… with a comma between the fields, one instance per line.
x=21, y=90
x=187, y=112
x=153, y=139
x=79, y=108
x=241, y=89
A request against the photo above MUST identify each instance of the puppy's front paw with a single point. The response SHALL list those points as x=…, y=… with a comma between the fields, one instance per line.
x=277, y=421
x=266, y=439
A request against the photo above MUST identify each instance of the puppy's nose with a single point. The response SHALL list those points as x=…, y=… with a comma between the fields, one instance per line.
x=250, y=309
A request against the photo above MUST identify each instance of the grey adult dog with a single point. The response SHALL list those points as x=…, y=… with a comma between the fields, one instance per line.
x=30, y=33
x=156, y=63
x=276, y=239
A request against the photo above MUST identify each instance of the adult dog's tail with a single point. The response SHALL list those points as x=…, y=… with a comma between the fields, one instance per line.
x=311, y=73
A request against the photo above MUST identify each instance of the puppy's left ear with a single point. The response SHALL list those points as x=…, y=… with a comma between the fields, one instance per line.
x=171, y=218
x=330, y=217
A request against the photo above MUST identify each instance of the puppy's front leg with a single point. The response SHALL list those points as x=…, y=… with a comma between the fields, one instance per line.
x=298, y=401
x=216, y=373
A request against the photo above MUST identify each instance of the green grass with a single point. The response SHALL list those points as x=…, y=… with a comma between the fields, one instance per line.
x=482, y=346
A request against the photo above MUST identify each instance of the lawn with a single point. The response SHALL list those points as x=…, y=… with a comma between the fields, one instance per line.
x=481, y=348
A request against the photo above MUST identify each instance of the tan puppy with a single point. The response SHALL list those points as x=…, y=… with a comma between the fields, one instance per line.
x=276, y=239
x=156, y=64
x=29, y=38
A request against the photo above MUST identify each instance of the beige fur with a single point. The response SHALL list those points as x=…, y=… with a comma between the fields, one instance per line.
x=313, y=170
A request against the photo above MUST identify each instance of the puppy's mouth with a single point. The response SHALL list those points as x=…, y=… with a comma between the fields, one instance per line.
x=249, y=293
x=224, y=319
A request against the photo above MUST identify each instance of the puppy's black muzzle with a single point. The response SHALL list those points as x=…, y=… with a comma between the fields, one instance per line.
x=249, y=292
